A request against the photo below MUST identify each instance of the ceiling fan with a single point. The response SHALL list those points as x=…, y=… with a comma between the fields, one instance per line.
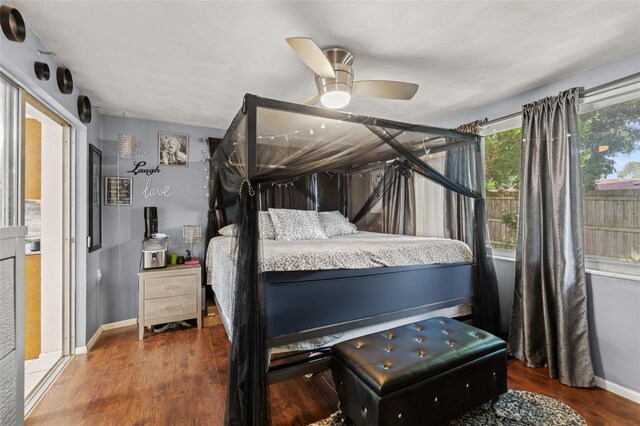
x=334, y=76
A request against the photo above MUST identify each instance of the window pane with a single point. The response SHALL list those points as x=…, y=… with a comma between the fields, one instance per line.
x=502, y=157
x=610, y=157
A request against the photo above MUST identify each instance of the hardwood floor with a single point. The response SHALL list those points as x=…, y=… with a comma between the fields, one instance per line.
x=179, y=378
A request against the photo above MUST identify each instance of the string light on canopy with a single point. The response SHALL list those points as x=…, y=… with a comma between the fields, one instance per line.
x=205, y=160
x=310, y=130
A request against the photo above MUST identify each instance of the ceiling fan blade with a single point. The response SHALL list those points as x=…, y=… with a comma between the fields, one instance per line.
x=313, y=101
x=309, y=52
x=385, y=89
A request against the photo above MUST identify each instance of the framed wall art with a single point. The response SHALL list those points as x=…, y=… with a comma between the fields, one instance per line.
x=118, y=191
x=173, y=149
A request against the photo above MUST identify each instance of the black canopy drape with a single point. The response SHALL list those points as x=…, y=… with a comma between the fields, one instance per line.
x=271, y=141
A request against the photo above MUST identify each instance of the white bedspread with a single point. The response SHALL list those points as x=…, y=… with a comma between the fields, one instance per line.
x=355, y=251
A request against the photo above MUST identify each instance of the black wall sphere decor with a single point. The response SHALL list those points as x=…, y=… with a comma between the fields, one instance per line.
x=12, y=24
x=42, y=70
x=65, y=80
x=84, y=109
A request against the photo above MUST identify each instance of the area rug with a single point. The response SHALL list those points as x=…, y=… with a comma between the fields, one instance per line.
x=513, y=408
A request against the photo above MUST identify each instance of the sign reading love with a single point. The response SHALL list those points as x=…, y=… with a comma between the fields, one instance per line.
x=156, y=192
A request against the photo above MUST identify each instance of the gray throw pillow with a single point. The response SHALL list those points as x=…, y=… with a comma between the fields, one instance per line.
x=334, y=224
x=296, y=225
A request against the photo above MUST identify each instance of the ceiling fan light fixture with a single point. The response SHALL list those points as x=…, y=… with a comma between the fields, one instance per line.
x=336, y=99
x=333, y=68
x=335, y=93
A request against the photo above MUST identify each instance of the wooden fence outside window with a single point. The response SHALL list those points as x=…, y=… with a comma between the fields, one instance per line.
x=611, y=219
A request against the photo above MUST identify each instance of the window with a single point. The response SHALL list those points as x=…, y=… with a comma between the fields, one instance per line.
x=610, y=160
x=502, y=171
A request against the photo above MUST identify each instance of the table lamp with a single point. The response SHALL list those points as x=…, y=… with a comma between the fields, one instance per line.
x=191, y=234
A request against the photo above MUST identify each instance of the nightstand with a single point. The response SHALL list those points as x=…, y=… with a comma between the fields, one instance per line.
x=168, y=294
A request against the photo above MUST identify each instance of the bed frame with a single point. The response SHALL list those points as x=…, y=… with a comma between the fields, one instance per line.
x=301, y=305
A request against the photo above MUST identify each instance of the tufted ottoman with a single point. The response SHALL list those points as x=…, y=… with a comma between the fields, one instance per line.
x=419, y=374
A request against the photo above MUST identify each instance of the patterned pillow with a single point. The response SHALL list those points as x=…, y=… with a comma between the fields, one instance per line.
x=333, y=223
x=296, y=225
x=265, y=225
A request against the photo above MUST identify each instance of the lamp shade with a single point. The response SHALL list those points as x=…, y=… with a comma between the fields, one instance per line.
x=191, y=233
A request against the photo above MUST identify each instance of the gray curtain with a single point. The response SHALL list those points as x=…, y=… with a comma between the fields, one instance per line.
x=460, y=164
x=549, y=316
x=399, y=205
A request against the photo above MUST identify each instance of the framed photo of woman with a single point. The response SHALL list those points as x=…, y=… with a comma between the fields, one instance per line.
x=173, y=149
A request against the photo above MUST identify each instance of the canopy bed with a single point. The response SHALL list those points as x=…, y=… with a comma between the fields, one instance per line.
x=322, y=154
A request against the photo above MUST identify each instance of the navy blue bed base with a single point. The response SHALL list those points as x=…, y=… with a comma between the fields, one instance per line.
x=301, y=305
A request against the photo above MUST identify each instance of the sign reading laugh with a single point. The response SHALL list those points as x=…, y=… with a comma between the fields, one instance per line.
x=138, y=167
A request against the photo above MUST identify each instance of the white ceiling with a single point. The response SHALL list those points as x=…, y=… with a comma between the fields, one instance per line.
x=192, y=61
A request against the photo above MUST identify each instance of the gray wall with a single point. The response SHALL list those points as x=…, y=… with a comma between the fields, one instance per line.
x=614, y=303
x=614, y=321
x=506, y=273
x=614, y=317
x=123, y=226
x=16, y=60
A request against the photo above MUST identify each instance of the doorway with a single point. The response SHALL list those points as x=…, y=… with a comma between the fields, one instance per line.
x=47, y=207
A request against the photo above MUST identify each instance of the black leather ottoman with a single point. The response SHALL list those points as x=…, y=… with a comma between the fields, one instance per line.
x=419, y=374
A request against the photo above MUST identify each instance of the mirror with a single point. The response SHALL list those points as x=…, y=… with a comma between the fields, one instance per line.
x=94, y=237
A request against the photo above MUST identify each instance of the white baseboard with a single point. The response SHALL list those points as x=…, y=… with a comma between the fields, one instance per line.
x=618, y=390
x=93, y=340
x=119, y=324
x=104, y=327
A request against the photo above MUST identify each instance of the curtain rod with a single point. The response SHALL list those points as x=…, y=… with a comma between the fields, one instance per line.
x=591, y=91
x=606, y=86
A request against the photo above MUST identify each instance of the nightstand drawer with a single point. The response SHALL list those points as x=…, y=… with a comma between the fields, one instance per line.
x=168, y=294
x=176, y=285
x=169, y=306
